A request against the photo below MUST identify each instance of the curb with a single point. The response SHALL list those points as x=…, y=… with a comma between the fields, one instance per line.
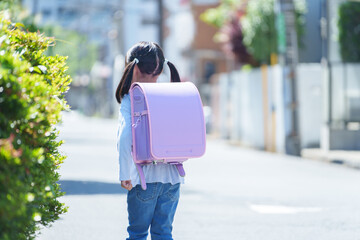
x=346, y=158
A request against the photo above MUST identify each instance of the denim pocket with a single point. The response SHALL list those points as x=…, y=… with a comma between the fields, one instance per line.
x=174, y=192
x=148, y=194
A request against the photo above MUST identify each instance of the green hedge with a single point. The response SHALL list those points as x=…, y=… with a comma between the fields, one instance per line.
x=349, y=31
x=32, y=87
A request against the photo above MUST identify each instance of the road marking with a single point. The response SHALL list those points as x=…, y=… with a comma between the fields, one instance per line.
x=279, y=209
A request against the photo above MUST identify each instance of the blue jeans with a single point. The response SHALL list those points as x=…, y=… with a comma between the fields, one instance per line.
x=154, y=208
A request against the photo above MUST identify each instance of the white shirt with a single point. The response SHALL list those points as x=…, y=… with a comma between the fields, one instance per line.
x=164, y=173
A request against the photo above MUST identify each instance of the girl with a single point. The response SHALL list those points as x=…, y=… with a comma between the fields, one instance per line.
x=155, y=207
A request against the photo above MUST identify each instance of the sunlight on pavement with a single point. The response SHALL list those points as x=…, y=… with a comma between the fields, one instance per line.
x=278, y=209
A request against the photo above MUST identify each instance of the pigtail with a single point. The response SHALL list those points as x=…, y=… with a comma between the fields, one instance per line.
x=174, y=73
x=125, y=82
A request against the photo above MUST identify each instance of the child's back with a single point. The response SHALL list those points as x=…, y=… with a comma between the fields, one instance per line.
x=155, y=207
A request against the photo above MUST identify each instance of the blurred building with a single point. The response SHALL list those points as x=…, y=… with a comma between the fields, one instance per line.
x=207, y=56
x=140, y=21
x=254, y=107
x=187, y=41
x=116, y=25
x=341, y=119
x=99, y=22
x=328, y=89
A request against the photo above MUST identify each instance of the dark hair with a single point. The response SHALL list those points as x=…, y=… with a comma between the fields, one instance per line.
x=150, y=61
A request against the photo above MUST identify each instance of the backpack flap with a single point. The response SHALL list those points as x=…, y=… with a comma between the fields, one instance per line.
x=176, y=120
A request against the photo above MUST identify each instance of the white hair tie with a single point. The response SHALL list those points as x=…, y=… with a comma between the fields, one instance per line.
x=166, y=61
x=136, y=60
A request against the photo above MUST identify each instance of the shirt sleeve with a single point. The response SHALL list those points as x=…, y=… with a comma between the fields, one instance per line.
x=124, y=145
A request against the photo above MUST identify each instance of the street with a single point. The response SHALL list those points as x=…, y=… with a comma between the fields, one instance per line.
x=230, y=193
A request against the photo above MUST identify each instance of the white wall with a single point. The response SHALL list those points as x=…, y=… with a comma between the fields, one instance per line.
x=241, y=107
x=242, y=113
x=310, y=103
x=345, y=92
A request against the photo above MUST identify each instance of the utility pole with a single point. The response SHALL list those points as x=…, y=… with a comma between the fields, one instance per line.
x=327, y=77
x=161, y=22
x=289, y=60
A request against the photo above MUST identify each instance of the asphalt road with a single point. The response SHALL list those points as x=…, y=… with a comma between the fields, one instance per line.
x=229, y=193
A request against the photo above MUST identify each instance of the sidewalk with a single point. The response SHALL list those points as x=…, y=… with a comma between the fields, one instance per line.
x=341, y=157
x=346, y=158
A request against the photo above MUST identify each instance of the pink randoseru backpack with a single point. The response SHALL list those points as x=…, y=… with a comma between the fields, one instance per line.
x=167, y=124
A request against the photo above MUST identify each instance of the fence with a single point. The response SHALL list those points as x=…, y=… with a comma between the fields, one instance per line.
x=253, y=107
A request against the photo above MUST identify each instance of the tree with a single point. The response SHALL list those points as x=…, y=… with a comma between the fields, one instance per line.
x=226, y=17
x=260, y=32
x=254, y=34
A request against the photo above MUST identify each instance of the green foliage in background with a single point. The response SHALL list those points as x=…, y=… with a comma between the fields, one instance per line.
x=257, y=25
x=226, y=17
x=32, y=87
x=81, y=53
x=260, y=33
x=349, y=31
x=13, y=10
x=12, y=6
x=220, y=15
x=260, y=36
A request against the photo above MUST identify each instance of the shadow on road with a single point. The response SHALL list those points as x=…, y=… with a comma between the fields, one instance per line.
x=71, y=187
